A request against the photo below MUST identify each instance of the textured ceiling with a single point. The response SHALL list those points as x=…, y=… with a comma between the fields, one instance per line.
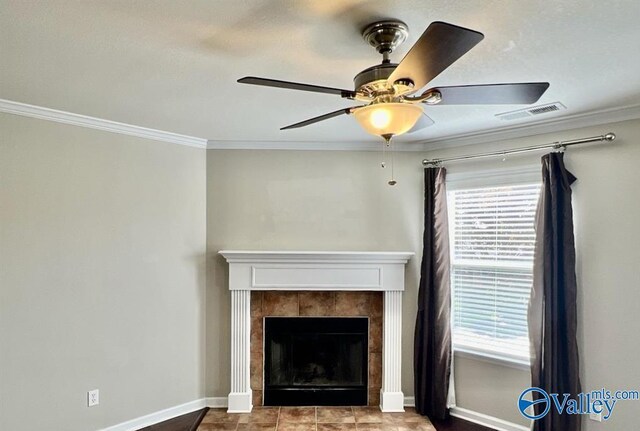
x=172, y=65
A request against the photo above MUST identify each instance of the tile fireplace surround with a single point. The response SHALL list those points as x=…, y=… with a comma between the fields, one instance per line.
x=273, y=271
x=317, y=304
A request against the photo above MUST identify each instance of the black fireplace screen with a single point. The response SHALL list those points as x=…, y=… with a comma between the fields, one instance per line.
x=315, y=360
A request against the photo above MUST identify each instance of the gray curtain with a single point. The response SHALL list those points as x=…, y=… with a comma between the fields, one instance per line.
x=552, y=313
x=432, y=339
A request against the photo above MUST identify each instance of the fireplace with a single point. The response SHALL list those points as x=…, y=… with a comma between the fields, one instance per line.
x=315, y=361
x=295, y=275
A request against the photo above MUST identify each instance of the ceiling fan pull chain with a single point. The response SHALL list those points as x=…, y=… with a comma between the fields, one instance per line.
x=392, y=181
x=383, y=164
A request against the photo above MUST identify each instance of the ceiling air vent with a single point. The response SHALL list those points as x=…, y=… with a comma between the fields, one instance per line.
x=530, y=112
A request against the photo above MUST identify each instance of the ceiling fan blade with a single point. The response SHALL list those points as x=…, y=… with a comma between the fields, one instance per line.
x=438, y=48
x=423, y=122
x=492, y=94
x=320, y=118
x=347, y=94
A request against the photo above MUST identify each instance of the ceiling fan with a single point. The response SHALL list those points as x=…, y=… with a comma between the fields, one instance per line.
x=389, y=91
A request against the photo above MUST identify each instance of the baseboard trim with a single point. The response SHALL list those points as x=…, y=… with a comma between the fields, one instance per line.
x=485, y=420
x=159, y=416
x=409, y=401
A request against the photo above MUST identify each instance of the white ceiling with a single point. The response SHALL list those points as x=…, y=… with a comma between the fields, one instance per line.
x=172, y=65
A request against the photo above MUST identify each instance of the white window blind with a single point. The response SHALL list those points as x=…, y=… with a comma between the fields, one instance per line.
x=492, y=240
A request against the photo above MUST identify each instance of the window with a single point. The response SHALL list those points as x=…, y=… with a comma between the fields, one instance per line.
x=492, y=240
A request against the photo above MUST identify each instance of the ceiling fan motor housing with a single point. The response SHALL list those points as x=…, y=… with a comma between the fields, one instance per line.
x=373, y=80
x=371, y=83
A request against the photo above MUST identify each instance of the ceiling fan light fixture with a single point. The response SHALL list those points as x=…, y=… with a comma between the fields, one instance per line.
x=390, y=119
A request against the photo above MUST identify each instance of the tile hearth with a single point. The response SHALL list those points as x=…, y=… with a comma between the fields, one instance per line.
x=315, y=419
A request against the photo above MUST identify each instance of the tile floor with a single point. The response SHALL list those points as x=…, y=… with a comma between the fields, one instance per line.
x=315, y=419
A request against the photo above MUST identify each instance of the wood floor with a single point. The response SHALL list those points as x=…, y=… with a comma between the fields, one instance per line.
x=188, y=422
x=455, y=424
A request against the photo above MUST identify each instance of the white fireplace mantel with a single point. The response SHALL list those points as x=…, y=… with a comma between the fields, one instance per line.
x=309, y=270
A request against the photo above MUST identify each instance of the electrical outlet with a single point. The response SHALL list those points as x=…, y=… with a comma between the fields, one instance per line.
x=93, y=398
x=595, y=417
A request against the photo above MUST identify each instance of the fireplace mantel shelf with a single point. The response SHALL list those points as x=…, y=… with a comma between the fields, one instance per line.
x=321, y=271
x=316, y=270
x=244, y=256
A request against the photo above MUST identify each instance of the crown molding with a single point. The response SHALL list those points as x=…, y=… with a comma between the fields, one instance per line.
x=551, y=125
x=313, y=145
x=33, y=111
x=596, y=118
x=293, y=145
x=555, y=124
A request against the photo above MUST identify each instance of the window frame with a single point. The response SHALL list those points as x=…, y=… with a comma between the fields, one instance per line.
x=520, y=175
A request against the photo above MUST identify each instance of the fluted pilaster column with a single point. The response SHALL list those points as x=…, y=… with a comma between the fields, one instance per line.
x=391, y=396
x=240, y=396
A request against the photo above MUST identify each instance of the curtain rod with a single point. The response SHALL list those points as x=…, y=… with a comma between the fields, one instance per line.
x=556, y=145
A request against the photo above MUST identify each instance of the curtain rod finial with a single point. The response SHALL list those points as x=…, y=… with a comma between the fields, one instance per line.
x=610, y=136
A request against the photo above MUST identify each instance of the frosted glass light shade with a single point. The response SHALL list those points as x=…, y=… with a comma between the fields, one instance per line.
x=388, y=118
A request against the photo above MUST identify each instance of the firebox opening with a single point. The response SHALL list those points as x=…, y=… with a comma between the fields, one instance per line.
x=315, y=361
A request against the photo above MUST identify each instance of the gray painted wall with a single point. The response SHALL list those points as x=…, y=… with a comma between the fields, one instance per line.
x=102, y=279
